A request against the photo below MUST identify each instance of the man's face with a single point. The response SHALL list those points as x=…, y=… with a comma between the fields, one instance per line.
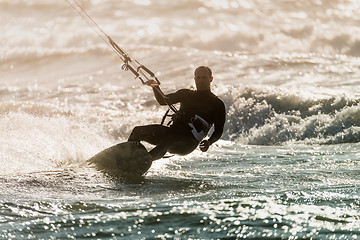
x=202, y=79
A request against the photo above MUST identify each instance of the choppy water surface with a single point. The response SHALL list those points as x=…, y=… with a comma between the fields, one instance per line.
x=286, y=167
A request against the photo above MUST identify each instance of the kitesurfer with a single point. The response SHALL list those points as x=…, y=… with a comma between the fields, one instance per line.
x=199, y=110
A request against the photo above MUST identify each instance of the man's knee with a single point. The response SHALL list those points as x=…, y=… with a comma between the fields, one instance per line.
x=135, y=134
x=152, y=134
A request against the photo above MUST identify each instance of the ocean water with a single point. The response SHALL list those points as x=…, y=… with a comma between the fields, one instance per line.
x=287, y=166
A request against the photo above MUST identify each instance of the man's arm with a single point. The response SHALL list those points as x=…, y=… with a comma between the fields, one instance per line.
x=159, y=95
x=171, y=98
x=219, y=128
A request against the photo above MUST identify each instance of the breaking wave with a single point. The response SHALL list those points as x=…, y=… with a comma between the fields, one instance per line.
x=276, y=117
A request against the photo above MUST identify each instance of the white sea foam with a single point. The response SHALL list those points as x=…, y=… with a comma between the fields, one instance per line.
x=37, y=143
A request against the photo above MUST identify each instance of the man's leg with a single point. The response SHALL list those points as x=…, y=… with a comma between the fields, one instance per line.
x=159, y=151
x=152, y=134
x=174, y=143
x=165, y=140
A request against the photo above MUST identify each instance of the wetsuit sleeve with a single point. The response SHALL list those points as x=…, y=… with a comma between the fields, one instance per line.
x=159, y=96
x=219, y=123
x=171, y=98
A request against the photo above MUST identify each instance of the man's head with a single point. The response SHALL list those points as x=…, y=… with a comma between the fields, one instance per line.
x=203, y=78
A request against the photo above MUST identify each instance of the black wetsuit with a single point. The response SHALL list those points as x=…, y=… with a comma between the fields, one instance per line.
x=178, y=137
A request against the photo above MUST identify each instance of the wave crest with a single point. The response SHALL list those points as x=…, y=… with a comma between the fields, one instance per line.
x=273, y=117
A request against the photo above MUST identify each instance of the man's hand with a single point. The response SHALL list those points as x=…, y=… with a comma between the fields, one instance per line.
x=152, y=83
x=204, y=145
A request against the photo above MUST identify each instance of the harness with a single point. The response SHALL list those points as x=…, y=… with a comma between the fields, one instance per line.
x=199, y=127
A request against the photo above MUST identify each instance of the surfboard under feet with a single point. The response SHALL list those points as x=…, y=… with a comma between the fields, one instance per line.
x=125, y=159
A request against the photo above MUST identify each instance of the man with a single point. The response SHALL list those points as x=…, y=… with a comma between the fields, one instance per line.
x=199, y=110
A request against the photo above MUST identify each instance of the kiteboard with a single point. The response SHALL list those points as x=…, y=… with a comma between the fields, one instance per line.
x=127, y=159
